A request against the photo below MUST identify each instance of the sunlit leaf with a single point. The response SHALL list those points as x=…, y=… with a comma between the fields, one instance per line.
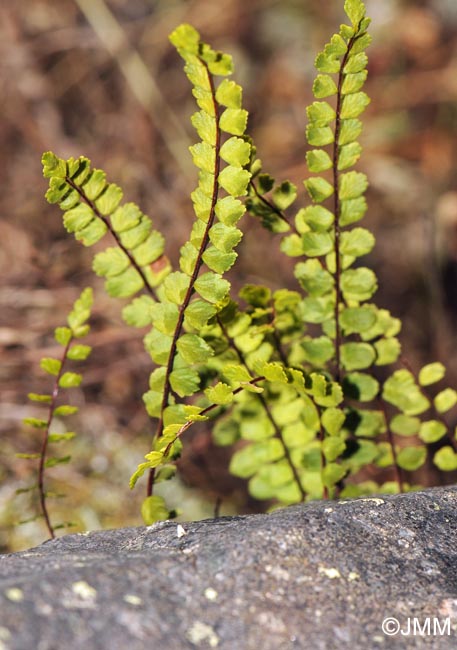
x=319, y=136
x=324, y=85
x=193, y=348
x=401, y=390
x=51, y=366
x=236, y=152
x=284, y=195
x=446, y=459
x=234, y=121
x=432, y=431
x=405, y=425
x=70, y=380
x=445, y=400
x=319, y=189
x=185, y=381
x=79, y=352
x=411, y=458
x=431, y=374
x=356, y=356
x=355, y=10
x=318, y=161
x=358, y=284
x=154, y=509
x=315, y=217
x=212, y=287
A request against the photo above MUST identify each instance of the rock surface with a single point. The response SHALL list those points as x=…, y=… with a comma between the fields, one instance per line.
x=319, y=576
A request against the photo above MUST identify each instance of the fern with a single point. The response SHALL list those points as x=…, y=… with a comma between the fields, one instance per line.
x=220, y=324
x=66, y=337
x=190, y=298
x=355, y=335
x=294, y=375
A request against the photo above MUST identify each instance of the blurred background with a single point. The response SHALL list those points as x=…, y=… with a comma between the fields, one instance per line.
x=99, y=78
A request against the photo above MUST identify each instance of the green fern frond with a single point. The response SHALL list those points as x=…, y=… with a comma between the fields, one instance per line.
x=76, y=328
x=190, y=298
x=91, y=208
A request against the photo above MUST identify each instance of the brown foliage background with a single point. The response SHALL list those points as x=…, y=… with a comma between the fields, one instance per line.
x=99, y=78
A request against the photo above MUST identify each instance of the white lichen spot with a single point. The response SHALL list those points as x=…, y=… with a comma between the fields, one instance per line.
x=157, y=525
x=132, y=599
x=15, y=594
x=180, y=532
x=211, y=594
x=84, y=590
x=5, y=634
x=375, y=500
x=200, y=633
x=278, y=572
x=44, y=609
x=328, y=510
x=448, y=608
x=353, y=575
x=329, y=572
x=271, y=623
x=404, y=543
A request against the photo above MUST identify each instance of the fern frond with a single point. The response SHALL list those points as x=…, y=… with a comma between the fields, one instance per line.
x=92, y=207
x=66, y=337
x=189, y=298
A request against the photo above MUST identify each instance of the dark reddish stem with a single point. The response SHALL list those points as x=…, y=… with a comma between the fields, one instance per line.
x=398, y=472
x=194, y=276
x=280, y=351
x=44, y=446
x=107, y=223
x=325, y=493
x=391, y=440
x=279, y=213
x=205, y=411
x=337, y=211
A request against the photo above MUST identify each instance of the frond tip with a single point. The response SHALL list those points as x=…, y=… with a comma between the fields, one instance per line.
x=91, y=208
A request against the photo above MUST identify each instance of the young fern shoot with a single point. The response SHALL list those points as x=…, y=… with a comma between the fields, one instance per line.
x=76, y=328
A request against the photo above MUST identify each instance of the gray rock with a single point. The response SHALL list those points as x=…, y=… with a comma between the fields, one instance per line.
x=319, y=576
